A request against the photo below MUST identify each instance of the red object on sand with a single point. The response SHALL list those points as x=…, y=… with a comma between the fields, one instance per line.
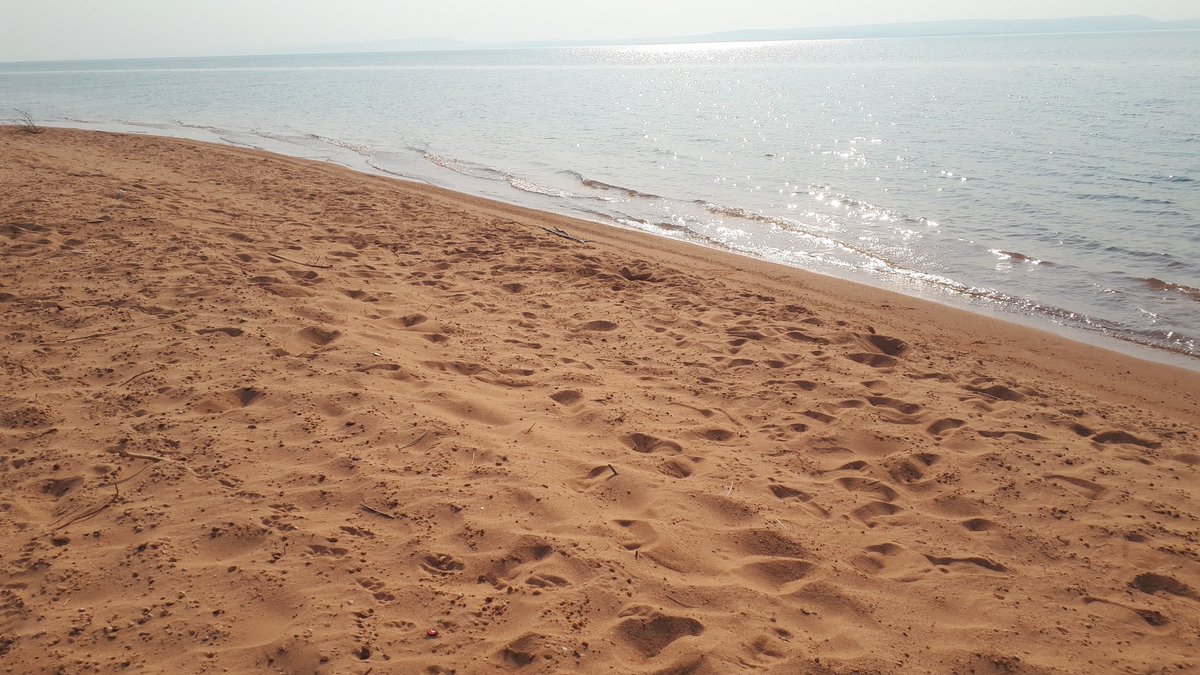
x=432, y=632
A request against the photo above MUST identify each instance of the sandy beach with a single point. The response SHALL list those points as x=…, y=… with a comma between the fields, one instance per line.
x=270, y=415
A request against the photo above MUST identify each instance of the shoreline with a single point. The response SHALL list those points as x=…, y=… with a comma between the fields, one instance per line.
x=276, y=414
x=1144, y=351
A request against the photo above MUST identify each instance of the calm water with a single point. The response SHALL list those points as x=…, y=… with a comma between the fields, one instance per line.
x=1052, y=178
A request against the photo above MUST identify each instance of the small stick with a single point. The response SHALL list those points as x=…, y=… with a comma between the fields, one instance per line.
x=98, y=509
x=412, y=443
x=134, y=475
x=612, y=469
x=679, y=603
x=144, y=372
x=297, y=262
x=372, y=509
x=730, y=491
x=559, y=232
x=116, y=332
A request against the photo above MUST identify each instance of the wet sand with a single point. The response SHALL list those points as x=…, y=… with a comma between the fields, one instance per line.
x=270, y=415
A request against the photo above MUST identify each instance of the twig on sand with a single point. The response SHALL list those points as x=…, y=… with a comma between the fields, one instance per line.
x=612, y=469
x=414, y=442
x=144, y=372
x=116, y=495
x=98, y=509
x=26, y=122
x=679, y=603
x=559, y=232
x=297, y=262
x=136, y=455
x=117, y=332
x=371, y=509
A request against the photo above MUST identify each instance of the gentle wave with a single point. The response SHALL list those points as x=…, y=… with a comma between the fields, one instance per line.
x=600, y=185
x=474, y=170
x=363, y=150
x=1123, y=198
x=1021, y=257
x=203, y=127
x=1160, y=285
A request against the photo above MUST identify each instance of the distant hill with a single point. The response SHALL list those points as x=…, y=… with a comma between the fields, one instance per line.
x=1085, y=24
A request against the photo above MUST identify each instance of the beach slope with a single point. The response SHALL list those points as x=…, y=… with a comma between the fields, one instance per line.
x=270, y=415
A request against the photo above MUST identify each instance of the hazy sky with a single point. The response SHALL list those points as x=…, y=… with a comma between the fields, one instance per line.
x=59, y=29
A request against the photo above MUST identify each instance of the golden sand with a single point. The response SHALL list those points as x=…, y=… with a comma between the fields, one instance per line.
x=270, y=415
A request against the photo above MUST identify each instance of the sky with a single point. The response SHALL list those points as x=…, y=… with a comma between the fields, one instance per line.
x=80, y=29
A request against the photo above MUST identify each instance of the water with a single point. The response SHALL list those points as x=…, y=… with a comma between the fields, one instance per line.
x=1053, y=179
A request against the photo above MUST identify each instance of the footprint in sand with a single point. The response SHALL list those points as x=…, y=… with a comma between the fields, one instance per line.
x=319, y=336
x=716, y=435
x=870, y=514
x=441, y=564
x=948, y=563
x=869, y=485
x=774, y=573
x=1152, y=584
x=327, y=551
x=894, y=404
x=893, y=561
x=941, y=426
x=645, y=443
x=998, y=392
x=677, y=468
x=567, y=397
x=229, y=331
x=649, y=632
x=979, y=524
x=1123, y=437
x=1080, y=486
x=908, y=469
x=873, y=360
x=600, y=326
x=881, y=351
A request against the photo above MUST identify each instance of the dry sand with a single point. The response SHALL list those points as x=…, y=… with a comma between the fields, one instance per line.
x=263, y=414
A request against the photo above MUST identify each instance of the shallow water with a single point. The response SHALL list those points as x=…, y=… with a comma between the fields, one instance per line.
x=1054, y=179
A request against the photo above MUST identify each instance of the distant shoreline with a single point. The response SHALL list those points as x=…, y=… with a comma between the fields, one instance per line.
x=910, y=30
